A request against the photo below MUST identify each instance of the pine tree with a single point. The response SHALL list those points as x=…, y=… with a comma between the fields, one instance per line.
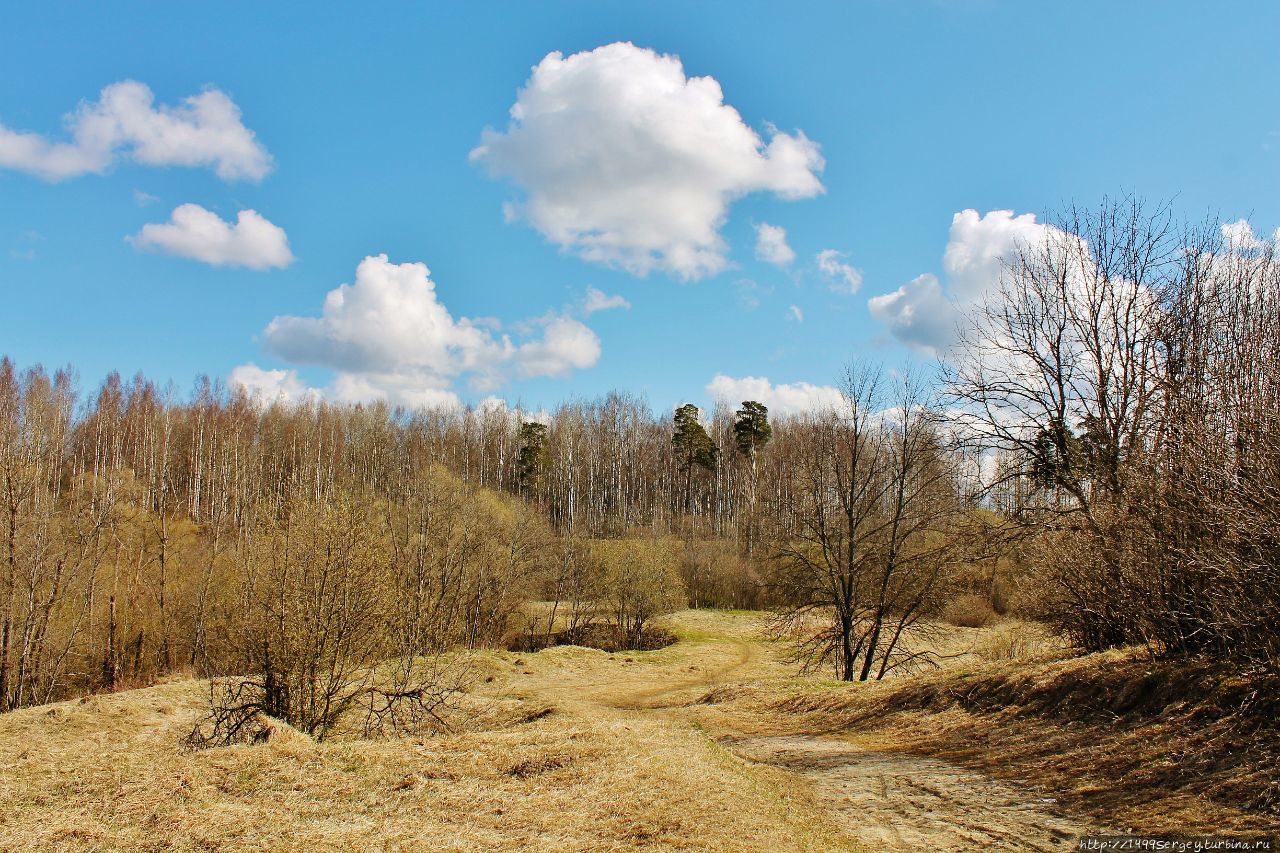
x=751, y=432
x=533, y=453
x=751, y=429
x=693, y=447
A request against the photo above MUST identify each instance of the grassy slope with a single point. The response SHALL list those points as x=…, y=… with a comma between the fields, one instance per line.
x=108, y=772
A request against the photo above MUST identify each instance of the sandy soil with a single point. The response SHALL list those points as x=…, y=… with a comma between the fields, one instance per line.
x=894, y=801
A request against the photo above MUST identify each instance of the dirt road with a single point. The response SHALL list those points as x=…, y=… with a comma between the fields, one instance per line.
x=893, y=801
x=882, y=800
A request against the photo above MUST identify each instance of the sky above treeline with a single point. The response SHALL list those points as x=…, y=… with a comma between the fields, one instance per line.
x=533, y=202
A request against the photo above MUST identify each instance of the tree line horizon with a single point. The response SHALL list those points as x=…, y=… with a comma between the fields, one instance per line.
x=1101, y=451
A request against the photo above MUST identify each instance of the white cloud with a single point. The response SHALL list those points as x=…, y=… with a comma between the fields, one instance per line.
x=391, y=317
x=285, y=386
x=142, y=199
x=923, y=313
x=1239, y=237
x=795, y=313
x=204, y=130
x=771, y=245
x=565, y=344
x=598, y=300
x=388, y=336
x=841, y=277
x=782, y=399
x=979, y=246
x=271, y=386
x=628, y=162
x=413, y=390
x=917, y=313
x=498, y=408
x=193, y=232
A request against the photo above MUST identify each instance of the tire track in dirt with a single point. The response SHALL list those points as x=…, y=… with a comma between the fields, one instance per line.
x=895, y=801
x=651, y=699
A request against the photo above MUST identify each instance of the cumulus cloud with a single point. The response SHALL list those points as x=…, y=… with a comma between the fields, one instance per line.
x=411, y=389
x=565, y=344
x=795, y=313
x=771, y=245
x=285, y=386
x=916, y=313
x=923, y=312
x=841, y=277
x=782, y=399
x=204, y=130
x=598, y=300
x=498, y=408
x=193, y=232
x=391, y=317
x=628, y=162
x=271, y=386
x=1239, y=237
x=979, y=246
x=388, y=336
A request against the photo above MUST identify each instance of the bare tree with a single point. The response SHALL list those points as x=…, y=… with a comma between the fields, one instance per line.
x=1124, y=370
x=864, y=542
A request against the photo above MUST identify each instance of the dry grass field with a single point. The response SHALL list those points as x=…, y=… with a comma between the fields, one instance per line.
x=713, y=743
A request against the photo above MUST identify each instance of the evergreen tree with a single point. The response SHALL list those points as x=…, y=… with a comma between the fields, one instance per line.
x=693, y=447
x=751, y=429
x=1056, y=455
x=751, y=432
x=533, y=453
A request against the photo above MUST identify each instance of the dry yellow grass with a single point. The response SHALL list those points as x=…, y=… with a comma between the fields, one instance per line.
x=578, y=749
x=109, y=773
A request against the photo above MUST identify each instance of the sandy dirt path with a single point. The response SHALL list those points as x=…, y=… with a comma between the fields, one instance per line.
x=882, y=800
x=673, y=694
x=895, y=801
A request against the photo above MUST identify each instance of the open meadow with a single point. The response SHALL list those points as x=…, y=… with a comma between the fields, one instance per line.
x=712, y=743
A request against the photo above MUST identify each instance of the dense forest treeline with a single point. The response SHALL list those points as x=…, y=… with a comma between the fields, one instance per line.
x=137, y=524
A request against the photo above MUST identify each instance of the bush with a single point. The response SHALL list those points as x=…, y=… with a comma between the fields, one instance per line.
x=969, y=611
x=641, y=581
x=598, y=636
x=1017, y=640
x=717, y=575
x=346, y=615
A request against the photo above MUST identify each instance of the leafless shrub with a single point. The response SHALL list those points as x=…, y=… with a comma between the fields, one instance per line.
x=640, y=581
x=869, y=532
x=415, y=695
x=1014, y=640
x=238, y=715
x=969, y=611
x=1125, y=369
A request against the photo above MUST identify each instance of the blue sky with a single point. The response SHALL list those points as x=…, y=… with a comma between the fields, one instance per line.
x=368, y=120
